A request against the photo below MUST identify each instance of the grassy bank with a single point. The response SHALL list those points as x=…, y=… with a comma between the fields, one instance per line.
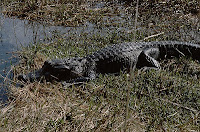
x=165, y=100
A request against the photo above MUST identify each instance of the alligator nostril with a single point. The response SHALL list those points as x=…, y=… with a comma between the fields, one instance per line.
x=22, y=78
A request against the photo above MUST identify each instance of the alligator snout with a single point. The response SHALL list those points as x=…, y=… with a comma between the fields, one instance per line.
x=31, y=77
x=22, y=77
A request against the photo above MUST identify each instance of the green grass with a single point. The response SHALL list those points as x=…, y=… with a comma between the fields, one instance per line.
x=165, y=100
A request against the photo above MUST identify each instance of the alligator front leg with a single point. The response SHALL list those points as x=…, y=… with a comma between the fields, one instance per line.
x=77, y=81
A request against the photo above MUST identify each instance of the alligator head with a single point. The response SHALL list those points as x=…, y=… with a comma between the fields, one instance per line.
x=58, y=69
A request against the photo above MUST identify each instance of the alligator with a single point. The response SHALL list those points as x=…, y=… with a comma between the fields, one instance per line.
x=112, y=59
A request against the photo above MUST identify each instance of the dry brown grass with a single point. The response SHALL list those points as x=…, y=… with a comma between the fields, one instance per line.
x=63, y=12
x=48, y=107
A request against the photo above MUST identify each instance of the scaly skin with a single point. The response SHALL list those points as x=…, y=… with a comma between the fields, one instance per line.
x=113, y=59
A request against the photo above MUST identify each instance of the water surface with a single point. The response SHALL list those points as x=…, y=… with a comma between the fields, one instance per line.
x=15, y=33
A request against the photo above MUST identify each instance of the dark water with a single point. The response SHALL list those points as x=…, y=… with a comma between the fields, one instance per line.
x=14, y=34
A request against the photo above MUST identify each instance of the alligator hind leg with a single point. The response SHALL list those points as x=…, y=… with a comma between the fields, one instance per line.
x=147, y=59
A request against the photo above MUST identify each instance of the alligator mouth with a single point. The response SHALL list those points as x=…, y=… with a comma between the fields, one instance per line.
x=57, y=74
x=49, y=76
